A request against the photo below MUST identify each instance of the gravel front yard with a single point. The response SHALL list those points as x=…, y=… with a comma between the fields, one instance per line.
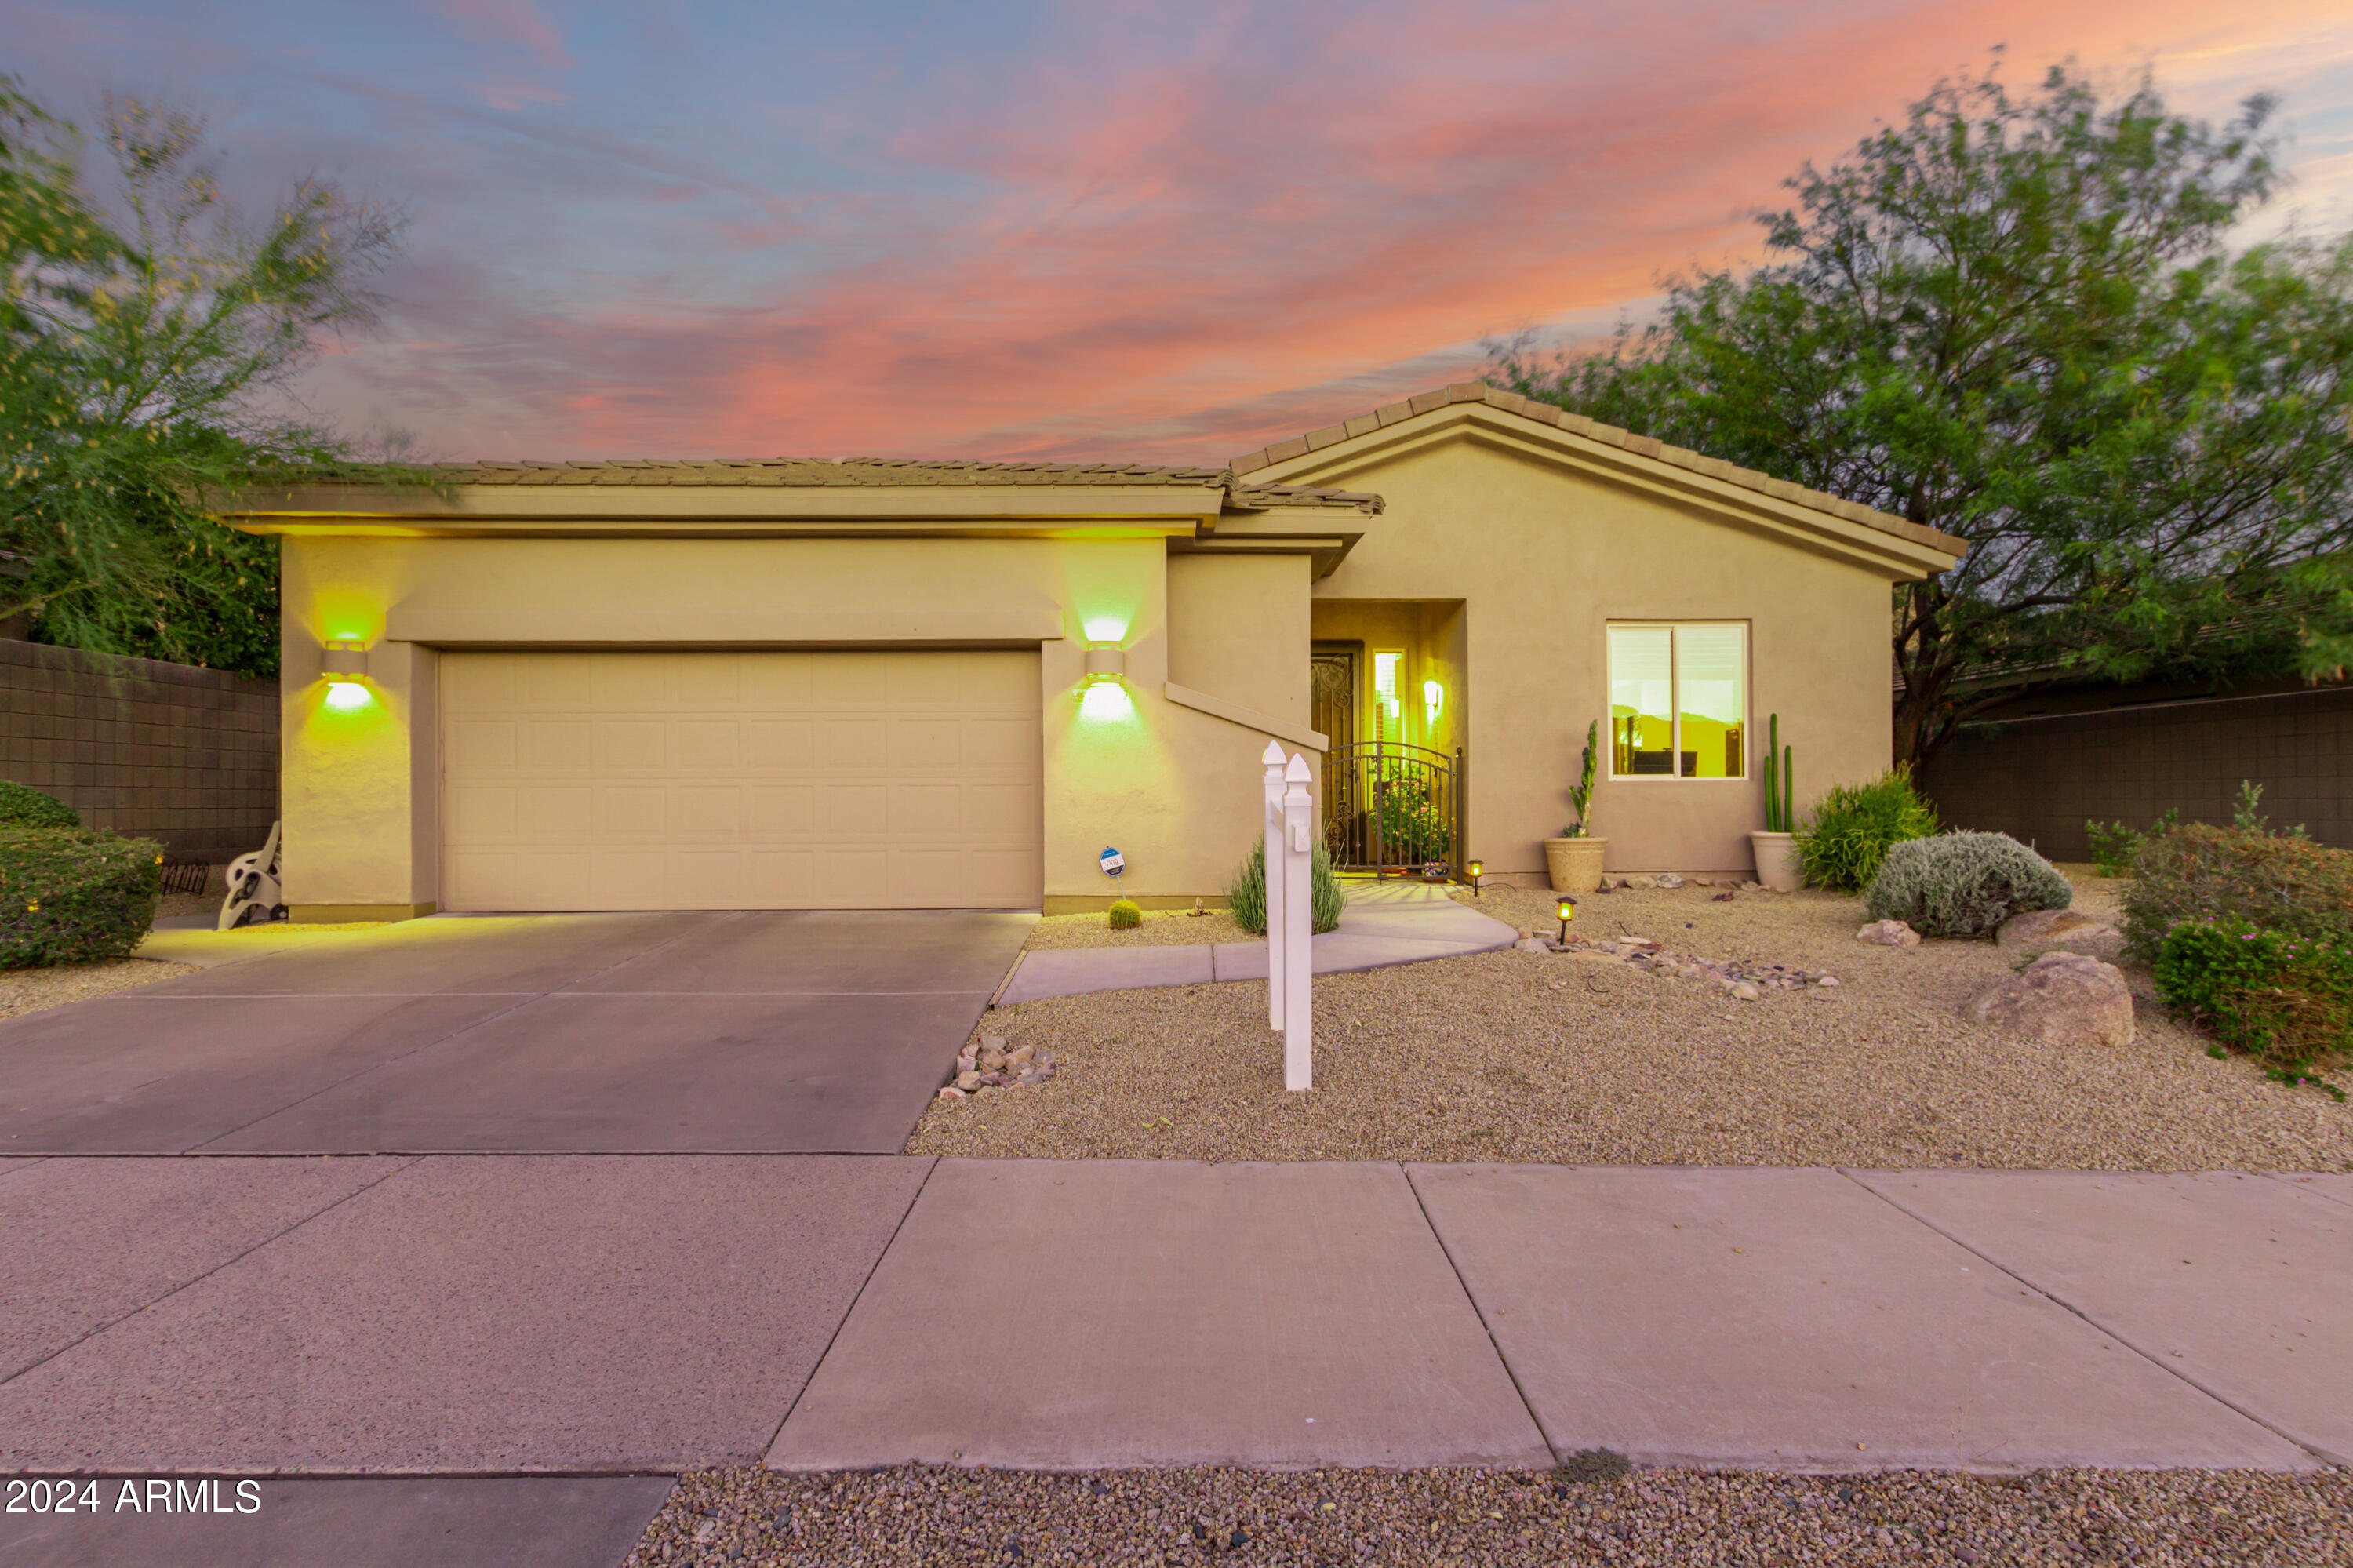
x=1161, y=928
x=1416, y=1518
x=34, y=991
x=1513, y=1057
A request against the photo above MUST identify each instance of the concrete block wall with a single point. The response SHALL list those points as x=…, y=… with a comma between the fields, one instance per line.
x=182, y=755
x=2039, y=779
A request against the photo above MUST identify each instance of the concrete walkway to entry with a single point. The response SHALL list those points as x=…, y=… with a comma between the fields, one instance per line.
x=1384, y=923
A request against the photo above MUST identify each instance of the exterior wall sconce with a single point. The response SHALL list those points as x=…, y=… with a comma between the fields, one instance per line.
x=344, y=657
x=1106, y=666
x=1433, y=697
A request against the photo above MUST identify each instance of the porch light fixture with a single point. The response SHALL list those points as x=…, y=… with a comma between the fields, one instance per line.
x=1567, y=912
x=344, y=657
x=1106, y=666
x=1433, y=697
x=348, y=696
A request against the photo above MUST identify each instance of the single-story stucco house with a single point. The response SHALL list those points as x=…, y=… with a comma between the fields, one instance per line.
x=797, y=684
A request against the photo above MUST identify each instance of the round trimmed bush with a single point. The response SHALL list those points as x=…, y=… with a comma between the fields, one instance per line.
x=22, y=806
x=1963, y=885
x=69, y=896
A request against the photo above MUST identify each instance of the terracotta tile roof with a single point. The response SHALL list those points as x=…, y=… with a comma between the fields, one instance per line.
x=1610, y=435
x=894, y=472
x=877, y=473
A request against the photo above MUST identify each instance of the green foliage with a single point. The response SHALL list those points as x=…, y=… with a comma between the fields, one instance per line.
x=2115, y=846
x=68, y=895
x=2246, y=813
x=1415, y=827
x=141, y=364
x=1580, y=794
x=1963, y=885
x=1246, y=895
x=2276, y=880
x=2016, y=318
x=1854, y=825
x=1780, y=781
x=2286, y=998
x=22, y=806
x=1125, y=914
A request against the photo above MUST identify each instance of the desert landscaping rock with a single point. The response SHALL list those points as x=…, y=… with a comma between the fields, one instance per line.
x=1588, y=1512
x=2062, y=999
x=2062, y=931
x=1504, y=1056
x=1888, y=934
x=35, y=990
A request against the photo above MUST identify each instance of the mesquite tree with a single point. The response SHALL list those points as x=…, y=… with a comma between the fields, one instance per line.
x=146, y=341
x=2018, y=319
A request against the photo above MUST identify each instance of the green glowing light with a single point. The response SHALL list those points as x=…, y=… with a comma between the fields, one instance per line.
x=1107, y=704
x=348, y=696
x=1105, y=628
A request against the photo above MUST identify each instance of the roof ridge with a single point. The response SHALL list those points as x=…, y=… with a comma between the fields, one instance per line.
x=1553, y=414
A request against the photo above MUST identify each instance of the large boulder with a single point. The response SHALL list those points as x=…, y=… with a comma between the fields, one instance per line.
x=2060, y=930
x=2062, y=999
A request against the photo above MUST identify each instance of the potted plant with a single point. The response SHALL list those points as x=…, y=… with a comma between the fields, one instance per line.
x=1573, y=860
x=1776, y=848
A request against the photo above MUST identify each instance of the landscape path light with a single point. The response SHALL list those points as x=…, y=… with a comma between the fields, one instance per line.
x=1475, y=870
x=1567, y=912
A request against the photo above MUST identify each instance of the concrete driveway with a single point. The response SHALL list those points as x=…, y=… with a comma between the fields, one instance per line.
x=728, y=1033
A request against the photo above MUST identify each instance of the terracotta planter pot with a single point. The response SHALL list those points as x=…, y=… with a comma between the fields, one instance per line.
x=1574, y=864
x=1776, y=861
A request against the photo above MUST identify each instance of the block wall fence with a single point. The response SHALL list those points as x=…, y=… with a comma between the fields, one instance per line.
x=2037, y=779
x=171, y=752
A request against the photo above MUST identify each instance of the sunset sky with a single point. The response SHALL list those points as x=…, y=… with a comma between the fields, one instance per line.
x=1087, y=230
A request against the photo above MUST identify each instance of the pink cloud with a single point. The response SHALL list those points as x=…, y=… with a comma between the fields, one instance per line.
x=1180, y=253
x=517, y=22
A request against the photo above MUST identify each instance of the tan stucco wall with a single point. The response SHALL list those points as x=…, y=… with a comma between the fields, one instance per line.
x=1543, y=558
x=1173, y=788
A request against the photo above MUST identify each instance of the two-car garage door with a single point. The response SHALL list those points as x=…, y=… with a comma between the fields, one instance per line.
x=748, y=780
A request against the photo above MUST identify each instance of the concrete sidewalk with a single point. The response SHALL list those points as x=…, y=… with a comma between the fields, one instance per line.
x=1384, y=923
x=615, y=1315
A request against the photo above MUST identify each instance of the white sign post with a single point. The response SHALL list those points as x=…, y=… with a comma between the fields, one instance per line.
x=1298, y=922
x=1273, y=761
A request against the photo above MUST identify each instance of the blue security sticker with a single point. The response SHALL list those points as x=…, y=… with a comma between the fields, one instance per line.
x=1114, y=862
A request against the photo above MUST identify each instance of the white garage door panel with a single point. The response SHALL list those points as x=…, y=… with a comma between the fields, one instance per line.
x=741, y=781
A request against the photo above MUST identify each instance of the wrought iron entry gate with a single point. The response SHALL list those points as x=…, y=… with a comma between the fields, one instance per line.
x=1389, y=808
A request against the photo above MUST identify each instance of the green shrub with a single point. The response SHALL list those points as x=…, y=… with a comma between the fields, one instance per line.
x=72, y=896
x=1854, y=825
x=1125, y=915
x=2115, y=846
x=22, y=806
x=1963, y=885
x=1246, y=895
x=2276, y=880
x=2288, y=999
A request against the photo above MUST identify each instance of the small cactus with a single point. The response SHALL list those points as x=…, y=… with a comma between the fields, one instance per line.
x=1780, y=782
x=1125, y=916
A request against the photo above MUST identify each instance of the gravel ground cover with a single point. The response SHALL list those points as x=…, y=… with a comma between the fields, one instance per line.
x=1161, y=928
x=1411, y=1519
x=1550, y=1059
x=35, y=990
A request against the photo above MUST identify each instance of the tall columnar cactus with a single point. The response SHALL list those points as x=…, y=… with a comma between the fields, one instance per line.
x=1780, y=781
x=1580, y=794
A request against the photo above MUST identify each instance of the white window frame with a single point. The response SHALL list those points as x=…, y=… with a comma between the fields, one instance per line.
x=1674, y=702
